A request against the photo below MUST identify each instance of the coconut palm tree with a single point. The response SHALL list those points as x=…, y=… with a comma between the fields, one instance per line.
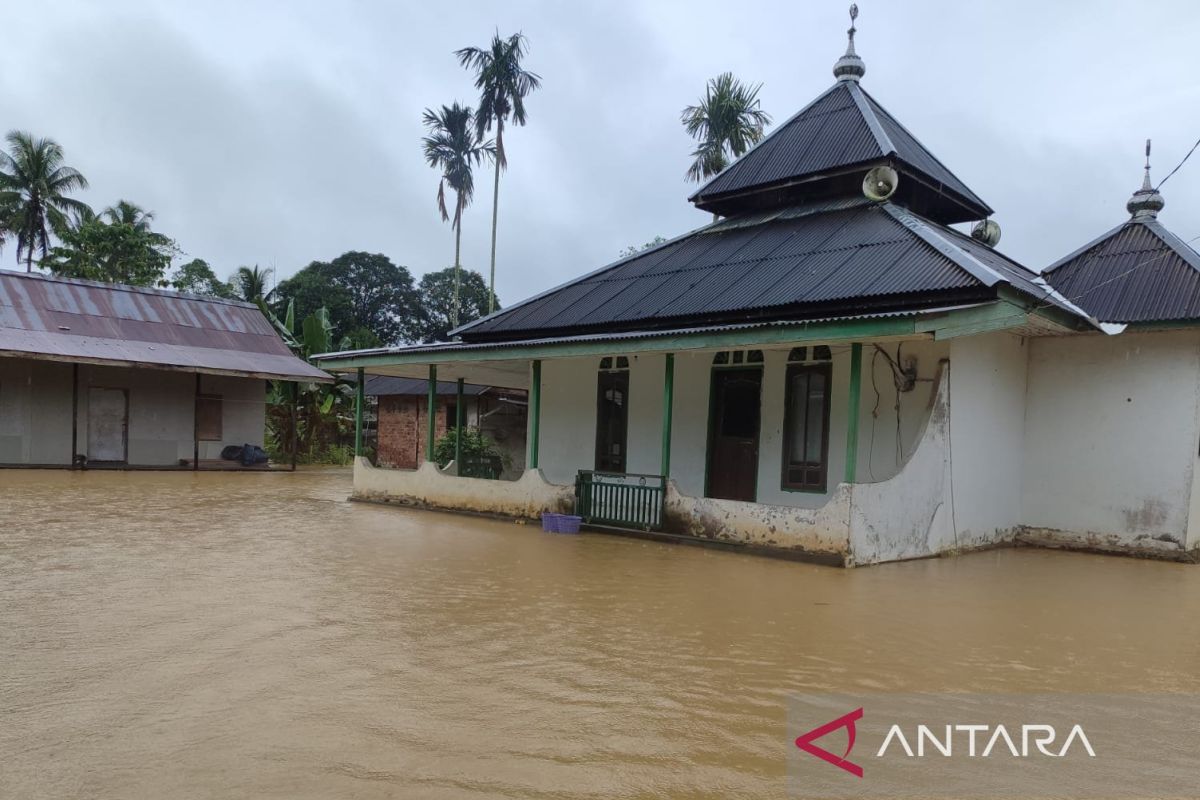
x=727, y=122
x=34, y=185
x=455, y=147
x=127, y=213
x=503, y=85
x=250, y=283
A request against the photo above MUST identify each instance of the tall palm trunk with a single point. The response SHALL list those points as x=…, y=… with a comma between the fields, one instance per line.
x=457, y=267
x=495, y=217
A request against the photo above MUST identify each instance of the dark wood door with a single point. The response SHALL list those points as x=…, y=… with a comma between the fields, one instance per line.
x=733, y=434
x=612, y=420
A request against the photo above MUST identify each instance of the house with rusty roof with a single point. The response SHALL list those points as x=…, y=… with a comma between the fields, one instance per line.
x=828, y=370
x=104, y=375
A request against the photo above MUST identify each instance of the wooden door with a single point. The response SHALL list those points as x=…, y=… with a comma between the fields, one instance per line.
x=612, y=420
x=733, y=434
x=108, y=425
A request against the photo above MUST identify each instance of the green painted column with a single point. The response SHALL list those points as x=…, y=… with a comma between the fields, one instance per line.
x=852, y=412
x=535, y=412
x=359, y=393
x=668, y=405
x=458, y=416
x=431, y=432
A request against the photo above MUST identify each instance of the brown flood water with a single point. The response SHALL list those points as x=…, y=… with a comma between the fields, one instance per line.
x=255, y=635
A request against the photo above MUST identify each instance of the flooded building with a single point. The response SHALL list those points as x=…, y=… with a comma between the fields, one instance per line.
x=105, y=375
x=830, y=369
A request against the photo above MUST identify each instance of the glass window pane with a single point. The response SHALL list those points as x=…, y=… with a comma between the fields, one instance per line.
x=816, y=422
x=798, y=398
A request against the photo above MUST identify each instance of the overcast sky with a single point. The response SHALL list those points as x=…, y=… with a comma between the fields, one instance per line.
x=279, y=133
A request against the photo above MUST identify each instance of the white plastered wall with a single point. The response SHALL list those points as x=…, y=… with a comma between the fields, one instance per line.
x=568, y=417
x=1111, y=439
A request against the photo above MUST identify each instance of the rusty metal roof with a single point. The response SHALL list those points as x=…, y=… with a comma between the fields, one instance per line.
x=1137, y=272
x=59, y=319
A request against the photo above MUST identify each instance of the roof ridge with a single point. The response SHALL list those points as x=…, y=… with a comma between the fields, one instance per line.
x=879, y=109
x=884, y=141
x=932, y=237
x=125, y=287
x=1099, y=240
x=1171, y=240
x=700, y=192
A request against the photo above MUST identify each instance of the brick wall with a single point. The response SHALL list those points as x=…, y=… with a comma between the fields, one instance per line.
x=402, y=429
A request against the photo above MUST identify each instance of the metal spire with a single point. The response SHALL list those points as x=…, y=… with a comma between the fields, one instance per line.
x=1146, y=201
x=850, y=67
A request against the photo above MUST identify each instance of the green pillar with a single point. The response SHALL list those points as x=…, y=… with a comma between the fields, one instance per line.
x=535, y=412
x=852, y=412
x=431, y=432
x=358, y=412
x=458, y=415
x=668, y=404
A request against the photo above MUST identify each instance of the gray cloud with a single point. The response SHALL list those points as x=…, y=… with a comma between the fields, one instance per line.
x=279, y=133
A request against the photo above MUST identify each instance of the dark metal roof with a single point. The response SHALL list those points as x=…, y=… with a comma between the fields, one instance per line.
x=378, y=385
x=836, y=257
x=57, y=319
x=1137, y=272
x=843, y=127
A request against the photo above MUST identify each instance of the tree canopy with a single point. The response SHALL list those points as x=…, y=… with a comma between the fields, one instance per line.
x=112, y=252
x=197, y=277
x=727, y=122
x=34, y=189
x=364, y=293
x=437, y=302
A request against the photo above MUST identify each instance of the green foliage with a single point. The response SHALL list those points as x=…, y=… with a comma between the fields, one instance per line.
x=250, y=283
x=437, y=302
x=197, y=277
x=727, y=122
x=633, y=250
x=474, y=443
x=116, y=252
x=453, y=146
x=359, y=291
x=324, y=414
x=34, y=189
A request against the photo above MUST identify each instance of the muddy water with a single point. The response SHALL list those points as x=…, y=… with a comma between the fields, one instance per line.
x=178, y=635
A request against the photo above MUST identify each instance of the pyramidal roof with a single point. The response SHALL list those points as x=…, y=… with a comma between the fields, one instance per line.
x=1137, y=272
x=844, y=130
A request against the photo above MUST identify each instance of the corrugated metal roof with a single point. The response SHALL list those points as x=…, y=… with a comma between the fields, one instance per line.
x=1136, y=272
x=386, y=385
x=435, y=348
x=833, y=255
x=74, y=320
x=843, y=127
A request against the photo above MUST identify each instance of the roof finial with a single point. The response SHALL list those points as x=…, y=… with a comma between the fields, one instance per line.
x=1146, y=202
x=850, y=67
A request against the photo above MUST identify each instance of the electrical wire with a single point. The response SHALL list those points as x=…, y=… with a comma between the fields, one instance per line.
x=1177, y=166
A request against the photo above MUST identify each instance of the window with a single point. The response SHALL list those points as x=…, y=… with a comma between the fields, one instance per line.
x=452, y=415
x=208, y=418
x=806, y=427
x=727, y=357
x=819, y=353
x=612, y=415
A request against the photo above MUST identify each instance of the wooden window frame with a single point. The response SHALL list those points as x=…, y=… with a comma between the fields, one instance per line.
x=601, y=377
x=786, y=483
x=200, y=433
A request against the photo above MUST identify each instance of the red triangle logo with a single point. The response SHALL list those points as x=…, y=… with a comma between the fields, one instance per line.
x=805, y=742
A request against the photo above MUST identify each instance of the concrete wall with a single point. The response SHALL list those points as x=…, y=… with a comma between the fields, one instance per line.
x=1111, y=441
x=987, y=429
x=35, y=412
x=568, y=427
x=429, y=487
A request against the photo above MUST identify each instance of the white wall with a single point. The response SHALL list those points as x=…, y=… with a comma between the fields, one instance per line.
x=987, y=428
x=1111, y=436
x=568, y=425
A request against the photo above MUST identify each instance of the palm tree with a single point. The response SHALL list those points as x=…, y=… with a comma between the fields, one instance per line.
x=127, y=213
x=727, y=122
x=251, y=283
x=503, y=85
x=455, y=147
x=33, y=192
